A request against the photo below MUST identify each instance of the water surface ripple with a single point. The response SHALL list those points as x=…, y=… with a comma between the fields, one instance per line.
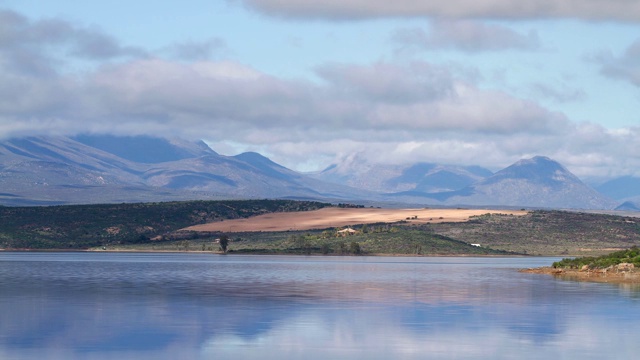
x=204, y=306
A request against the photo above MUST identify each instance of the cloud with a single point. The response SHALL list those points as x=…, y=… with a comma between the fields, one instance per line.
x=392, y=112
x=196, y=50
x=417, y=82
x=381, y=102
x=625, y=67
x=388, y=112
x=35, y=47
x=616, y=10
x=465, y=35
x=381, y=97
x=559, y=94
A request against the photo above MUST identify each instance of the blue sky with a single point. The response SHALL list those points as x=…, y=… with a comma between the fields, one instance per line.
x=310, y=83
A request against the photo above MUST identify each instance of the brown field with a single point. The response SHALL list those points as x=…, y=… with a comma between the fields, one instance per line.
x=341, y=217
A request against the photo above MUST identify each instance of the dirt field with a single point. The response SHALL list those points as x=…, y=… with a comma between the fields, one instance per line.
x=341, y=217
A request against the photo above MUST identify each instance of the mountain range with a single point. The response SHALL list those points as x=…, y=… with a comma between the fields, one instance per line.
x=108, y=169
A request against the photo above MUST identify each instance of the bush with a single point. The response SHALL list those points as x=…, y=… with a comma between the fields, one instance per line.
x=631, y=255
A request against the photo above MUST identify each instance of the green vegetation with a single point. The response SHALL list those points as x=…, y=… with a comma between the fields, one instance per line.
x=380, y=239
x=155, y=226
x=85, y=226
x=631, y=256
x=548, y=232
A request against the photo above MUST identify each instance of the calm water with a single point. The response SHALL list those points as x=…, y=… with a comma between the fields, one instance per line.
x=186, y=306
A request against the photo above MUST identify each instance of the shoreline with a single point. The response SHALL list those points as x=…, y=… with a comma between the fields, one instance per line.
x=599, y=275
x=233, y=253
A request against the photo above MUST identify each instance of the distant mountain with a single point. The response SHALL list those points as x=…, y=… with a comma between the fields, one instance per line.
x=628, y=206
x=103, y=169
x=621, y=188
x=422, y=177
x=146, y=149
x=108, y=169
x=246, y=175
x=535, y=182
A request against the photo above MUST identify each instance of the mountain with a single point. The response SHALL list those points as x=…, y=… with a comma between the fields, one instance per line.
x=52, y=170
x=248, y=175
x=628, y=206
x=422, y=177
x=146, y=149
x=536, y=182
x=621, y=188
x=108, y=169
x=97, y=169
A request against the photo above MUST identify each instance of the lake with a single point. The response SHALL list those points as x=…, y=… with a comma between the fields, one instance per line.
x=205, y=306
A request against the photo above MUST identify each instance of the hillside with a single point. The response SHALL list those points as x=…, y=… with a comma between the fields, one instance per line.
x=108, y=169
x=548, y=232
x=157, y=226
x=84, y=226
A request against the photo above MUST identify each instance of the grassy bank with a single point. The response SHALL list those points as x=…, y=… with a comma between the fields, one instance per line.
x=629, y=256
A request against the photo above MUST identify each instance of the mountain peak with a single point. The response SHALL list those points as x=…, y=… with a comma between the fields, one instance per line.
x=538, y=169
x=538, y=181
x=538, y=159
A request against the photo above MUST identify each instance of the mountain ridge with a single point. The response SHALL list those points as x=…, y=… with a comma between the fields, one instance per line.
x=61, y=170
x=537, y=182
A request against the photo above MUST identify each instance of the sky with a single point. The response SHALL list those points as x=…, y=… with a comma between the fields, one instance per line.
x=310, y=83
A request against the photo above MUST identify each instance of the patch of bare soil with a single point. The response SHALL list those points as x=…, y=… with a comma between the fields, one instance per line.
x=599, y=275
x=341, y=217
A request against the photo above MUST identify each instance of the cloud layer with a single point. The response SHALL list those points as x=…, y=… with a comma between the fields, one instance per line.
x=387, y=111
x=623, y=10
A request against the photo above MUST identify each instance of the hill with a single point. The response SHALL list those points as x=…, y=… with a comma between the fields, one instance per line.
x=84, y=226
x=157, y=226
x=548, y=232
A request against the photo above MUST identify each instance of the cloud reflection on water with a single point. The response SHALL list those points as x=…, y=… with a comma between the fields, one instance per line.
x=191, y=307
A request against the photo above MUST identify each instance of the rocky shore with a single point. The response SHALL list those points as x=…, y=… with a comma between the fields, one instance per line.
x=621, y=273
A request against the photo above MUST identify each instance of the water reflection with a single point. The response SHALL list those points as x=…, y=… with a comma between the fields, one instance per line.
x=94, y=306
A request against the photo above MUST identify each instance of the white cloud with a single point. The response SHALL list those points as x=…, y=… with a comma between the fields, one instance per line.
x=36, y=47
x=624, y=10
x=625, y=67
x=465, y=35
x=561, y=93
x=196, y=50
x=375, y=109
x=386, y=111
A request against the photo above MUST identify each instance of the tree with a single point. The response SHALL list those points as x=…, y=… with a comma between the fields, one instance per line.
x=342, y=247
x=224, y=242
x=354, y=248
x=325, y=249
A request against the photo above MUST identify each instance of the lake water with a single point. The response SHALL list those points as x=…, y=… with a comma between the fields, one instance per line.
x=204, y=306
